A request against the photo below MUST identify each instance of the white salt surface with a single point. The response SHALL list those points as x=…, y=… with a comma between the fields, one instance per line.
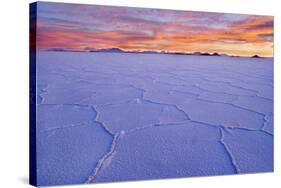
x=120, y=116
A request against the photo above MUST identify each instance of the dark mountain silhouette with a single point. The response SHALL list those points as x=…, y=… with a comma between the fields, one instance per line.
x=115, y=50
x=57, y=49
x=197, y=53
x=63, y=50
x=216, y=54
x=118, y=50
x=256, y=56
x=206, y=54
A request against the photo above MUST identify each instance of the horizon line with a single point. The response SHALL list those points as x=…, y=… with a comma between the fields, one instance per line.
x=120, y=50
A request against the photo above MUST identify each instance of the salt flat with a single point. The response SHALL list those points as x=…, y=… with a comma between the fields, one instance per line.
x=125, y=116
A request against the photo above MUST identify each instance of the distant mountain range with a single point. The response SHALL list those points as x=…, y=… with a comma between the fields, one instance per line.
x=118, y=50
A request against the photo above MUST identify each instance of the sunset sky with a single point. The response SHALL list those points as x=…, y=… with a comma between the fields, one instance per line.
x=82, y=27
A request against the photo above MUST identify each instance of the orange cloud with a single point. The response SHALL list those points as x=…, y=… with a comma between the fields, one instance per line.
x=246, y=37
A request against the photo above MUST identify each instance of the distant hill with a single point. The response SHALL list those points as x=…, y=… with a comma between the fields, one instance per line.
x=118, y=50
x=115, y=50
x=256, y=56
x=206, y=54
x=63, y=50
x=216, y=54
x=57, y=49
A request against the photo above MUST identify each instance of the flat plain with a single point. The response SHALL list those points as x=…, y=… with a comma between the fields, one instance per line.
x=105, y=117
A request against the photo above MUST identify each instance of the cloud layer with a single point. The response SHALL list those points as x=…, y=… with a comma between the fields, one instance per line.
x=80, y=27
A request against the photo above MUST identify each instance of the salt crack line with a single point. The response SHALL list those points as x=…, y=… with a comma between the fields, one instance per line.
x=266, y=120
x=101, y=123
x=184, y=92
x=265, y=98
x=225, y=127
x=232, y=85
x=256, y=93
x=106, y=159
x=159, y=124
x=233, y=105
x=68, y=126
x=73, y=124
x=228, y=151
x=164, y=104
x=65, y=104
